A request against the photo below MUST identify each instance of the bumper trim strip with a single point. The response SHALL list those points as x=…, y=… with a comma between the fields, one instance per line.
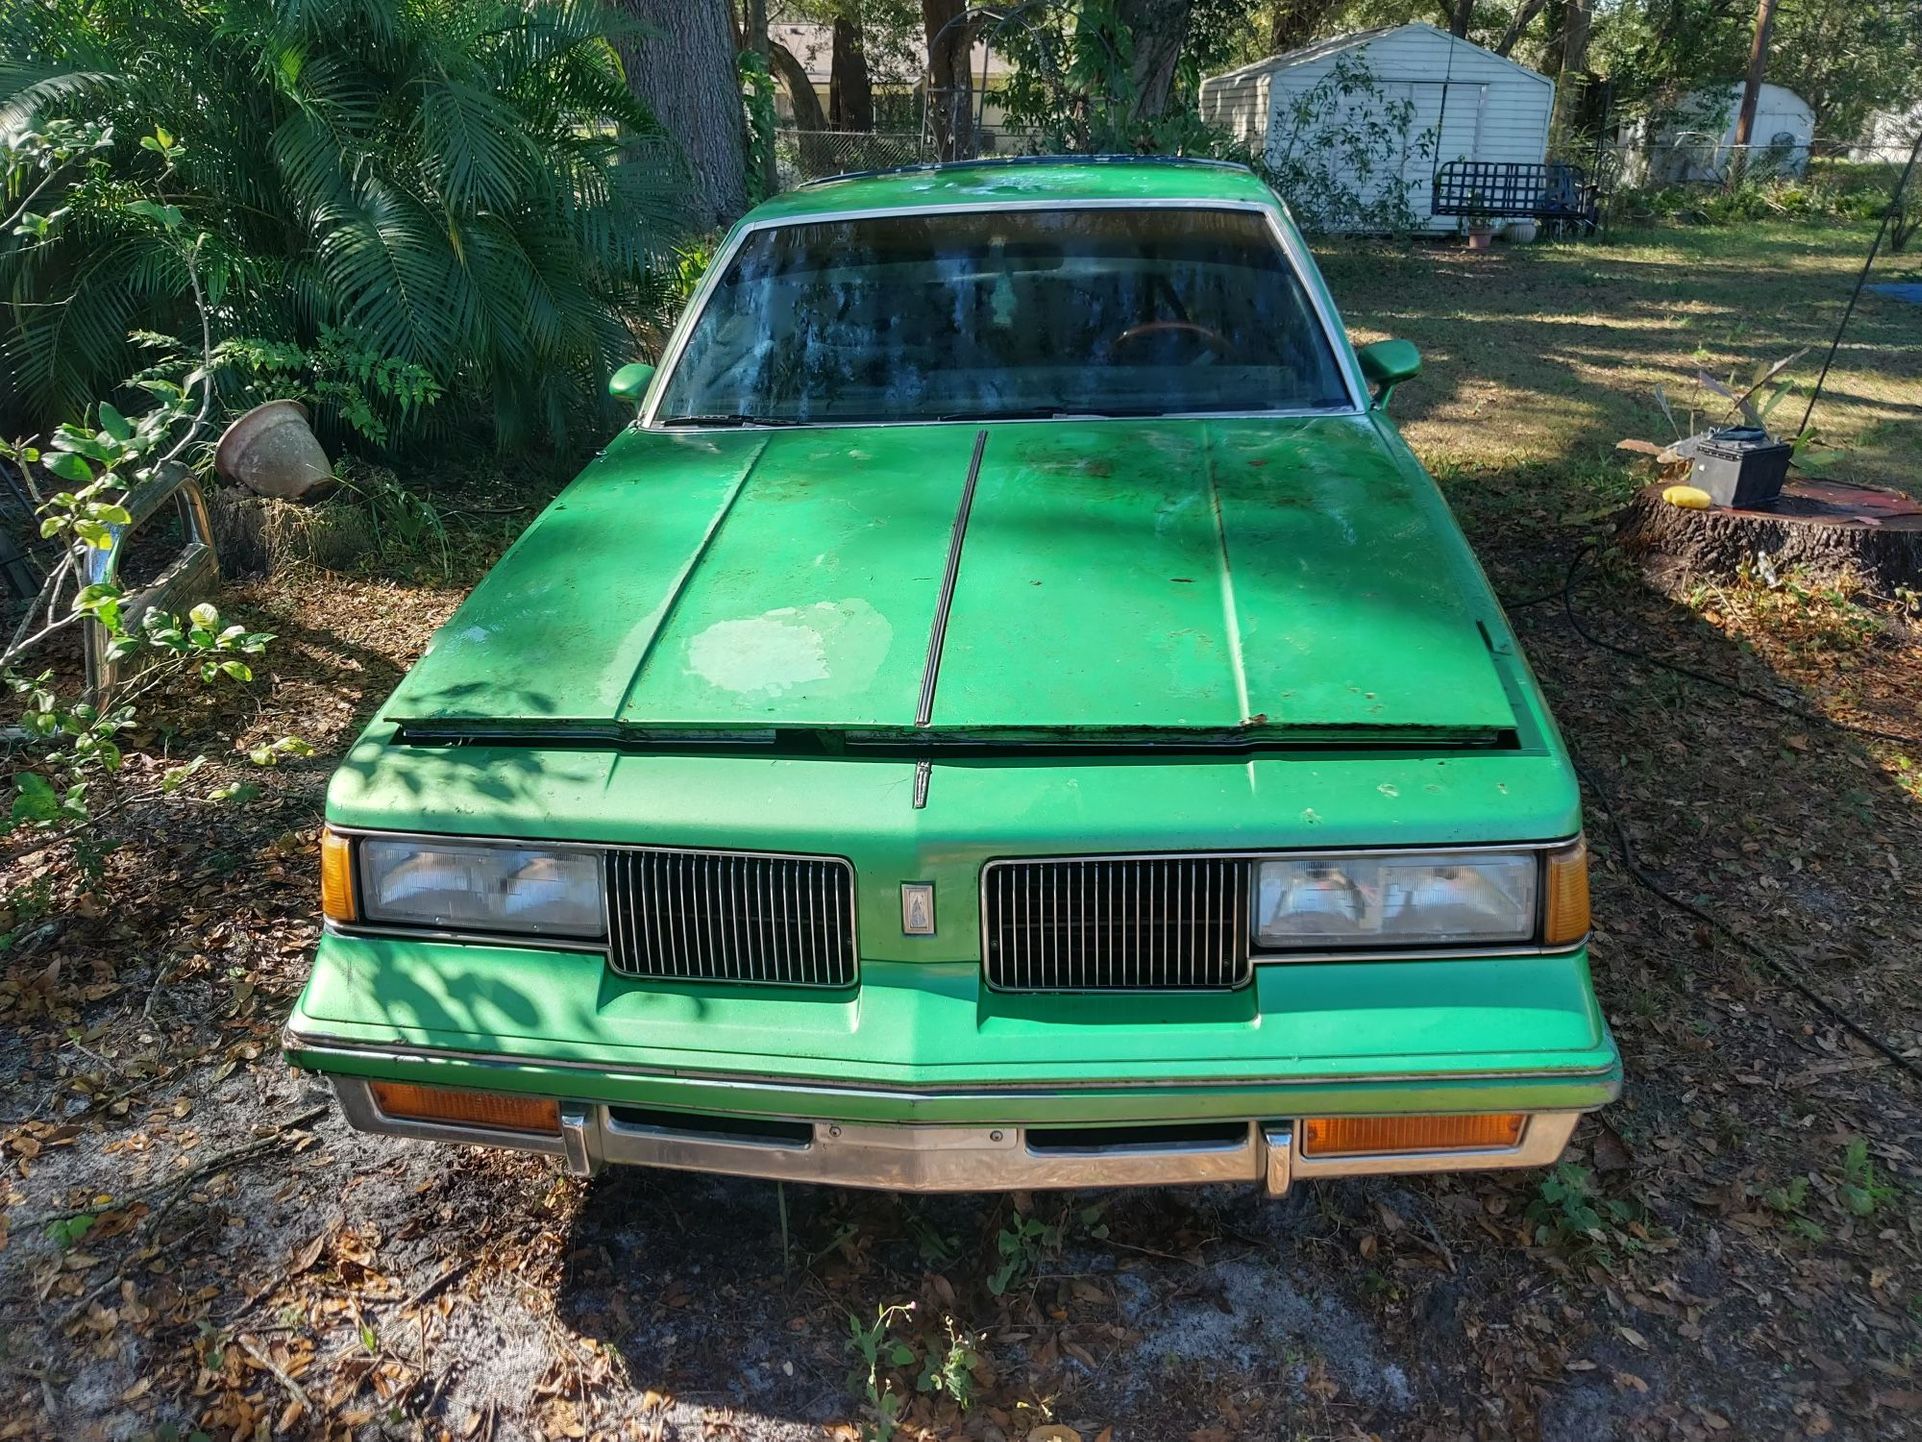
x=295, y=1040
x=932, y=1158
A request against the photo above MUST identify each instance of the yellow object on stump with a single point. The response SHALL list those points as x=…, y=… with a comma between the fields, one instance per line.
x=1689, y=498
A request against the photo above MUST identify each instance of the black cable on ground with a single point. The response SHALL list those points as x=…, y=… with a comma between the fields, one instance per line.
x=1783, y=971
x=1813, y=718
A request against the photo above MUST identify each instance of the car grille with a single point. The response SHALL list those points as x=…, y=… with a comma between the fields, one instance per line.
x=1121, y=924
x=729, y=916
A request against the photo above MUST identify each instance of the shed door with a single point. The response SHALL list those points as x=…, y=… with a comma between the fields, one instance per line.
x=1450, y=116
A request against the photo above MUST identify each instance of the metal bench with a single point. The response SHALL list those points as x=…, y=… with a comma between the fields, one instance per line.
x=1558, y=195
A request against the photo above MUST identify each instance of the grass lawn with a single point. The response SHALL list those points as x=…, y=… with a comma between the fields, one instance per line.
x=1540, y=358
x=1733, y=1251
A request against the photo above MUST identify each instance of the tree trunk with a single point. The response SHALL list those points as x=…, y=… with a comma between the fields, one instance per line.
x=1576, y=15
x=1518, y=26
x=1552, y=47
x=1833, y=533
x=1159, y=29
x=1758, y=59
x=1461, y=15
x=850, y=92
x=758, y=40
x=950, y=82
x=1296, y=22
x=685, y=73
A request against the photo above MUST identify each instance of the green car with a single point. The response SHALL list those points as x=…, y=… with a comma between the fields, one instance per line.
x=1010, y=712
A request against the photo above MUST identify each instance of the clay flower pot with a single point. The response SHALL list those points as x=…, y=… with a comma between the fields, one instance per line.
x=272, y=451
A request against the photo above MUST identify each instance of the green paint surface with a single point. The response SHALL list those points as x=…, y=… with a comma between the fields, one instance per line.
x=639, y=666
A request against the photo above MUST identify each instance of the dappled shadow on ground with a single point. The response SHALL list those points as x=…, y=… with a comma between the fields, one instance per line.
x=1547, y=355
x=1723, y=1263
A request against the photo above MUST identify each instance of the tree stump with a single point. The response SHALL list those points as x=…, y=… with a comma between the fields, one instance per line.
x=1834, y=532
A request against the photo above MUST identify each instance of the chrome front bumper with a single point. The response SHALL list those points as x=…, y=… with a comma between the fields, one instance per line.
x=950, y=1158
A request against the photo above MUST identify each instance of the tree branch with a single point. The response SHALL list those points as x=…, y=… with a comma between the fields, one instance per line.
x=1524, y=17
x=206, y=360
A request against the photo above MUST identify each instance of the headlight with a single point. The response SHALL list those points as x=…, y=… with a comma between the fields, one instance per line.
x=1451, y=898
x=463, y=886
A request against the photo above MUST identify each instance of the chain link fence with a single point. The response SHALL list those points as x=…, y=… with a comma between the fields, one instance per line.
x=1704, y=158
x=802, y=155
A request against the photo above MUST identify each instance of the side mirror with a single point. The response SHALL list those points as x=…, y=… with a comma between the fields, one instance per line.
x=629, y=383
x=1386, y=364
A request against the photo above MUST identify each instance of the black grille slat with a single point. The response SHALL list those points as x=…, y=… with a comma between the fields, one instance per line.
x=1117, y=924
x=731, y=916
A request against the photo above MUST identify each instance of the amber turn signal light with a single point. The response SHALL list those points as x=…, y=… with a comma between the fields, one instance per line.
x=336, y=875
x=504, y=1112
x=1394, y=1136
x=1565, y=918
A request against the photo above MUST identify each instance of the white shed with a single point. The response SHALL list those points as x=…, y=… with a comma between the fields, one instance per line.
x=1697, y=140
x=1889, y=135
x=1469, y=103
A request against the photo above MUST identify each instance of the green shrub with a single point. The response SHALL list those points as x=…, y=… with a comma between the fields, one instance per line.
x=455, y=195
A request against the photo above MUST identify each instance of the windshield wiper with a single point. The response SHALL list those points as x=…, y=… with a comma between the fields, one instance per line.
x=731, y=418
x=1057, y=413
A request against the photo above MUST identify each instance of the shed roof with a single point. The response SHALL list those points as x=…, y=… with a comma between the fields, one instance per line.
x=1335, y=45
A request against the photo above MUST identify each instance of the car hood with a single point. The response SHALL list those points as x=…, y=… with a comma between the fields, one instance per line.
x=1153, y=578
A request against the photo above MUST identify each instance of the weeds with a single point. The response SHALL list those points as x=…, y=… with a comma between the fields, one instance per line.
x=66, y=1233
x=1790, y=1201
x=1570, y=1215
x=1023, y=1244
x=404, y=522
x=890, y=1344
x=950, y=1368
x=1863, y=1189
x=1807, y=616
x=877, y=1351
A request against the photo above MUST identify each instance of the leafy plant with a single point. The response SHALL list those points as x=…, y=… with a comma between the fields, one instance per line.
x=81, y=480
x=888, y=1345
x=1341, y=155
x=757, y=95
x=1567, y=1212
x=1790, y=1201
x=1027, y=1240
x=404, y=522
x=950, y=1367
x=462, y=186
x=66, y=1233
x=367, y=393
x=1022, y=1244
x=1863, y=1189
x=877, y=1350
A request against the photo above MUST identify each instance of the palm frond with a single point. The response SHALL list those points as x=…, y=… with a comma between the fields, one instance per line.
x=474, y=147
x=393, y=277
x=468, y=185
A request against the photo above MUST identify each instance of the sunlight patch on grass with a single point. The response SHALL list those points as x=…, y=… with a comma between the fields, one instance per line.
x=1551, y=353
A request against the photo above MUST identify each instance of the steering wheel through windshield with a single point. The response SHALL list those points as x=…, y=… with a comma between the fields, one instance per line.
x=1217, y=343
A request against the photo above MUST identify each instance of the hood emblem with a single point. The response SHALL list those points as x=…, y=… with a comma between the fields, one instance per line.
x=917, y=908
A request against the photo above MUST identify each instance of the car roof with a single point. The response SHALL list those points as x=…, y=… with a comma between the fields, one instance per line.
x=1068, y=180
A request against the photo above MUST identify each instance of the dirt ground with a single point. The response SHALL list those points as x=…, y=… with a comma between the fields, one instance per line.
x=192, y=1242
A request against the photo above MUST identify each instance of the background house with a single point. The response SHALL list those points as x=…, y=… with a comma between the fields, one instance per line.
x=1696, y=140
x=1888, y=135
x=1468, y=103
x=896, y=78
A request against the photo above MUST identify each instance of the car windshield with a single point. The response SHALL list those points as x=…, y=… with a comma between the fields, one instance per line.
x=1011, y=313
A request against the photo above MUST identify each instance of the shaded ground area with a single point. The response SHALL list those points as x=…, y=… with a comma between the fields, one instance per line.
x=1732, y=1252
